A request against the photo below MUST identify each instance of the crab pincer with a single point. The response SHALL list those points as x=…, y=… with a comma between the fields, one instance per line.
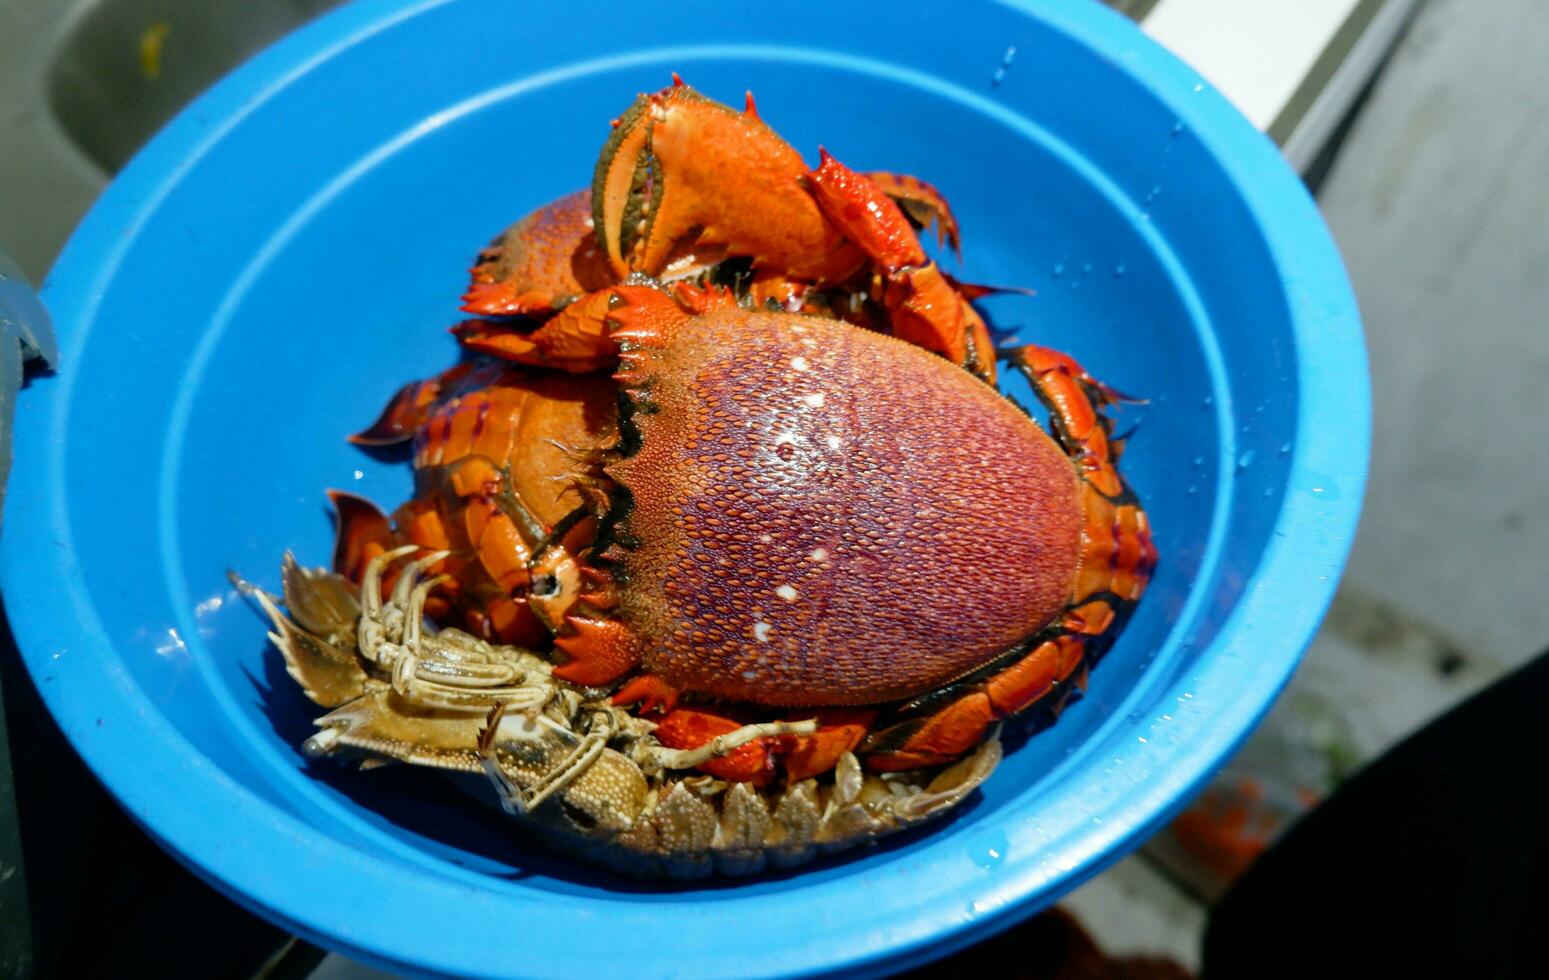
x=685, y=181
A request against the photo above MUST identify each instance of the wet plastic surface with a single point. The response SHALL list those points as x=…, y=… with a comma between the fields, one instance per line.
x=286, y=254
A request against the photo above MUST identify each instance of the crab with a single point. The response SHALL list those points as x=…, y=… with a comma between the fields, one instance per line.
x=825, y=240
x=585, y=774
x=736, y=518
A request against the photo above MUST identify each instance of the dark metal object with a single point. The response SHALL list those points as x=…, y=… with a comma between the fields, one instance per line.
x=25, y=334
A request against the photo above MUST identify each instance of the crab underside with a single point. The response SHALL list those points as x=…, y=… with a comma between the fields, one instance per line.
x=584, y=774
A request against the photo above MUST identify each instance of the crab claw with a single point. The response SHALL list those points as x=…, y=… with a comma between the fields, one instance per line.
x=683, y=176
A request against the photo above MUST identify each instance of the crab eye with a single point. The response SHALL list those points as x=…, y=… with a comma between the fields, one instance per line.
x=545, y=586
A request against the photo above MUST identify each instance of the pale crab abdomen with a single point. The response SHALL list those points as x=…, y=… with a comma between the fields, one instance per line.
x=823, y=515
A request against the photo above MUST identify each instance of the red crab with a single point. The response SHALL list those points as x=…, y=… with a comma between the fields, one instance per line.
x=685, y=183
x=732, y=514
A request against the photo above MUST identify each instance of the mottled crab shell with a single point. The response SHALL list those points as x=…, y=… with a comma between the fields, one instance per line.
x=542, y=262
x=824, y=515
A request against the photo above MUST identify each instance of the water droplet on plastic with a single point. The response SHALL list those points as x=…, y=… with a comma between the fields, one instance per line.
x=1199, y=462
x=1178, y=128
x=1208, y=400
x=1086, y=270
x=1059, y=269
x=1269, y=491
x=1135, y=717
x=1285, y=449
x=1245, y=460
x=1200, y=87
x=1005, y=62
x=1193, y=491
x=988, y=850
x=1118, y=271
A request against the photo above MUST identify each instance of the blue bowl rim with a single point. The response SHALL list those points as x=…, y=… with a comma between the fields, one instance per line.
x=50, y=610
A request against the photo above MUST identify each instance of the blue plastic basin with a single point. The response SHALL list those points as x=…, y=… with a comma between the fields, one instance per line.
x=289, y=251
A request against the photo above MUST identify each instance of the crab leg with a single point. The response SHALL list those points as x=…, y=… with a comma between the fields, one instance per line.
x=926, y=206
x=541, y=263
x=415, y=618
x=950, y=731
x=393, y=638
x=574, y=340
x=721, y=745
x=376, y=627
x=410, y=405
x=394, y=615
x=573, y=765
x=516, y=800
x=924, y=306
